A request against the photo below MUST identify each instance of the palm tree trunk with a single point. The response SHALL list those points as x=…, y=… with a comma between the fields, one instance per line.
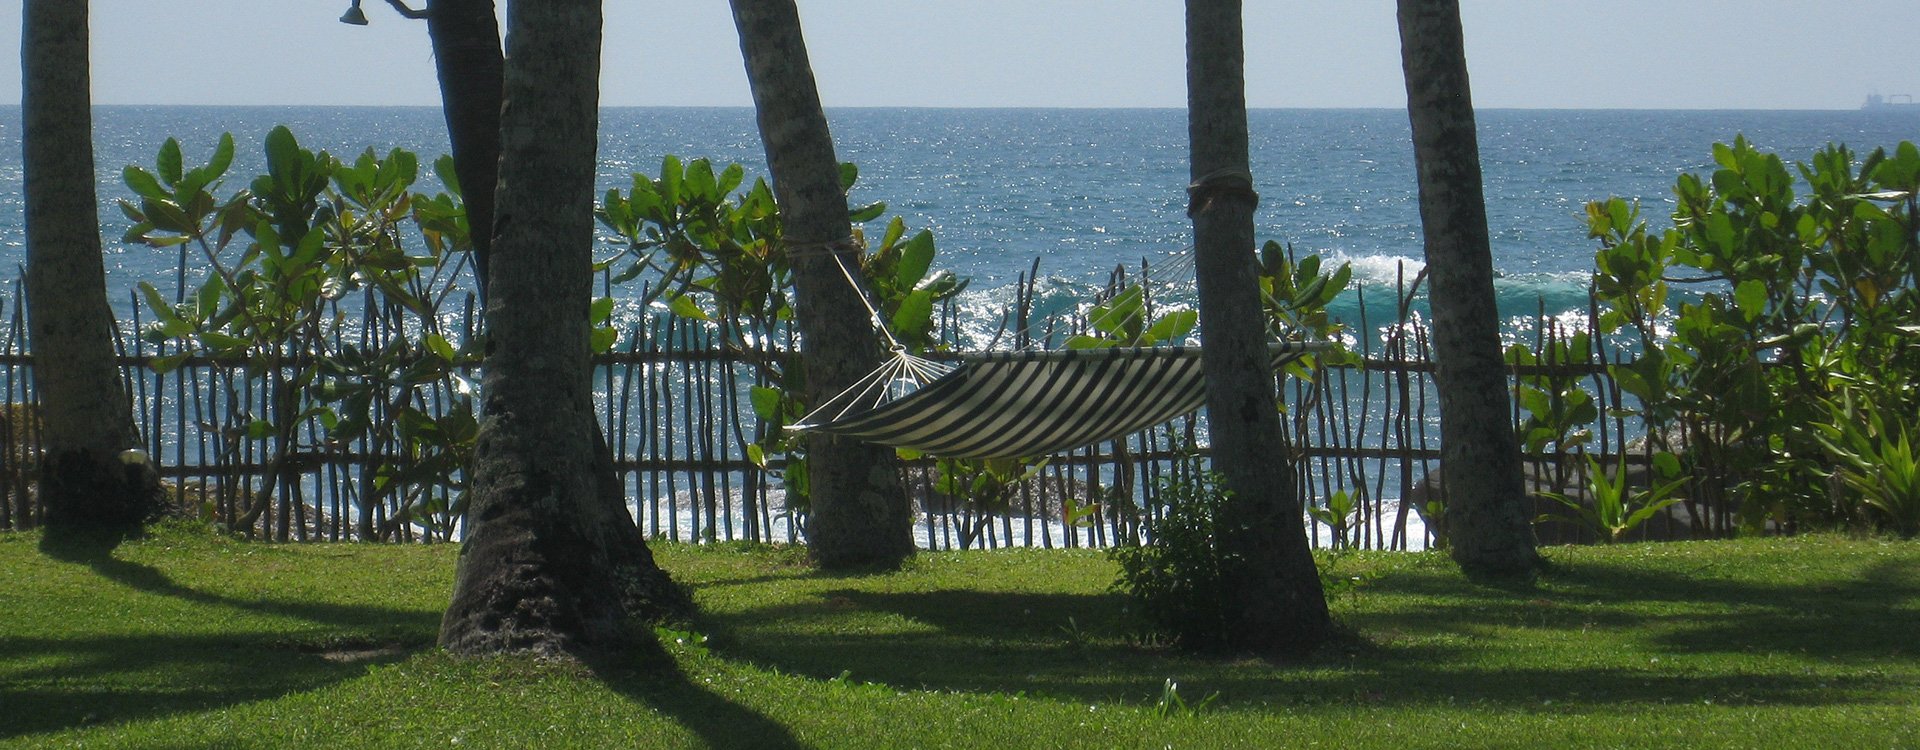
x=466, y=53
x=859, y=514
x=1486, y=516
x=85, y=484
x=1262, y=538
x=545, y=568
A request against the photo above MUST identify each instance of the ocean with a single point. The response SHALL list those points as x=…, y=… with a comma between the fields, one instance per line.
x=1083, y=190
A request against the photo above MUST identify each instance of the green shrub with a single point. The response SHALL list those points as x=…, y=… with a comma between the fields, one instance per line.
x=1174, y=578
x=281, y=256
x=1803, y=309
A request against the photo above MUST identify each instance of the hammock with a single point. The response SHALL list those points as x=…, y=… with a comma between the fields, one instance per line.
x=1024, y=403
x=1019, y=404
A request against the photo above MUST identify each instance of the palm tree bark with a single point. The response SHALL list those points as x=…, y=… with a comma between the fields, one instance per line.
x=859, y=514
x=546, y=567
x=1486, y=518
x=467, y=57
x=1262, y=532
x=86, y=485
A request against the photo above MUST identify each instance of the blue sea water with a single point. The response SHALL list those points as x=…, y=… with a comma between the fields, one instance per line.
x=1083, y=190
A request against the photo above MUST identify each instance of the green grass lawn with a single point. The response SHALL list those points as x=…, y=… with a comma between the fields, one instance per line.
x=187, y=640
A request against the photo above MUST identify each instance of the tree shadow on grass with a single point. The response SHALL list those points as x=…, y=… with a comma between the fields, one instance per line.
x=1688, y=612
x=651, y=678
x=1422, y=652
x=116, y=678
x=112, y=679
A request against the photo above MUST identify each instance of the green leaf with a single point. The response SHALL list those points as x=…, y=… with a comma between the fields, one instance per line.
x=849, y=174
x=730, y=178
x=601, y=311
x=166, y=216
x=222, y=158
x=143, y=184
x=685, y=307
x=895, y=230
x=207, y=299
x=167, y=364
x=222, y=343
x=443, y=168
x=259, y=429
x=1120, y=314
x=671, y=174
x=283, y=154
x=915, y=259
x=867, y=212
x=440, y=346
x=169, y=162
x=700, y=183
x=604, y=339
x=157, y=303
x=1174, y=325
x=1089, y=342
x=1751, y=297
x=766, y=403
x=915, y=315
x=1337, y=284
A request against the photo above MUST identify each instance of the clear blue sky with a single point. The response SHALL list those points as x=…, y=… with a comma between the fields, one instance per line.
x=1763, y=54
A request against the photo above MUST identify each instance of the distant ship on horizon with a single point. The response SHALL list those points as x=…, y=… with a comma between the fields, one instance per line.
x=1894, y=101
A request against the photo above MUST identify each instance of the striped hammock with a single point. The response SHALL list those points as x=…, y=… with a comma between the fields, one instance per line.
x=1034, y=403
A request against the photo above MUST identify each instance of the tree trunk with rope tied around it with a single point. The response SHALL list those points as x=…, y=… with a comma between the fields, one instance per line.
x=859, y=515
x=1280, y=607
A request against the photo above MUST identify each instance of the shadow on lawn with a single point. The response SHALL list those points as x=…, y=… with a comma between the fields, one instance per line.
x=1697, y=612
x=652, y=678
x=117, y=678
x=1418, y=652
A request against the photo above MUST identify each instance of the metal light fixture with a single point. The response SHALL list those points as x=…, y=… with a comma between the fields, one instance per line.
x=354, y=16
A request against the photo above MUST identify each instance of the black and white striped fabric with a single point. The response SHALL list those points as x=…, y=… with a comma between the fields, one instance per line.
x=1035, y=403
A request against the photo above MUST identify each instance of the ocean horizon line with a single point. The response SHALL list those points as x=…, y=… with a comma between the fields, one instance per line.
x=965, y=108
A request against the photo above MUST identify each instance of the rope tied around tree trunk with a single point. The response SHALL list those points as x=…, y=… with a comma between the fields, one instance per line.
x=1223, y=182
x=797, y=249
x=837, y=250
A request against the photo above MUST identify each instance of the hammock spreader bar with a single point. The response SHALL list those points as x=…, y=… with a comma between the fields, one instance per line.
x=1035, y=403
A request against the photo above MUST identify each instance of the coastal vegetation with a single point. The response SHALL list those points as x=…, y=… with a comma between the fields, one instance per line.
x=1776, y=333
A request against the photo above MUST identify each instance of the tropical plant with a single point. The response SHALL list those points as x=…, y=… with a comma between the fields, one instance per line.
x=1127, y=319
x=1791, y=303
x=1295, y=291
x=1339, y=514
x=1878, y=459
x=1175, y=579
x=1616, y=507
x=1556, y=409
x=282, y=256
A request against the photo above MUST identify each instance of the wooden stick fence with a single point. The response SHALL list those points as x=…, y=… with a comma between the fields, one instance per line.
x=672, y=401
